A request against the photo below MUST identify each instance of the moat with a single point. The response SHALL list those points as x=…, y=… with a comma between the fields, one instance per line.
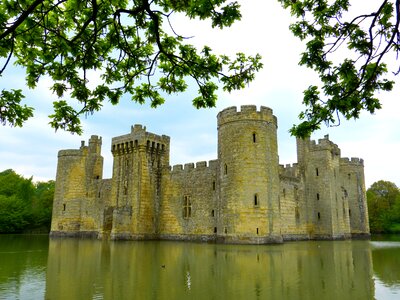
x=36, y=267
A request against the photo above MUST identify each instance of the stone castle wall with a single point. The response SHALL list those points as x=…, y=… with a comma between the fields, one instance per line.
x=244, y=196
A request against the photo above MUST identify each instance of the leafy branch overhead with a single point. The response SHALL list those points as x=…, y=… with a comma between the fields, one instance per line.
x=132, y=44
x=351, y=79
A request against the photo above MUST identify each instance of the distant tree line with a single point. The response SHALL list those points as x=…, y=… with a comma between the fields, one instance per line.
x=25, y=206
x=383, y=199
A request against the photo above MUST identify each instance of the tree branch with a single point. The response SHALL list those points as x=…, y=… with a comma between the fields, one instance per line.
x=21, y=18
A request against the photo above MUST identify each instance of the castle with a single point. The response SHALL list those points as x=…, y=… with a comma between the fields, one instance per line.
x=244, y=196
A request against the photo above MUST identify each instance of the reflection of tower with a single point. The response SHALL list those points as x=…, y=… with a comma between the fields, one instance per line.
x=248, y=175
x=139, y=158
x=78, y=171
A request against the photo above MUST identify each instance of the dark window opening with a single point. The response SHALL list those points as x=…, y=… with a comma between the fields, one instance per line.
x=187, y=207
x=213, y=185
x=98, y=195
x=254, y=138
x=226, y=169
x=349, y=176
x=317, y=196
x=256, y=200
x=316, y=171
x=284, y=193
x=215, y=229
x=64, y=206
x=349, y=212
x=97, y=177
x=226, y=230
x=319, y=216
x=257, y=230
x=212, y=213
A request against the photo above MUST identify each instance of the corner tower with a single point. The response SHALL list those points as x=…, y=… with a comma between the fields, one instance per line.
x=248, y=176
x=139, y=158
x=353, y=186
x=74, y=205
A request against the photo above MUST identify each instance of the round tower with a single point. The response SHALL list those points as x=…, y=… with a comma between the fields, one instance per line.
x=70, y=190
x=248, y=175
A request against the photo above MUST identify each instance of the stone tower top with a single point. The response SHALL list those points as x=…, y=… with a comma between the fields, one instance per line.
x=139, y=137
x=247, y=112
x=354, y=161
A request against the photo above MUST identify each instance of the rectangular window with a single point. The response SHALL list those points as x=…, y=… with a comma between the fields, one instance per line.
x=213, y=185
x=256, y=201
x=316, y=172
x=187, y=207
x=317, y=196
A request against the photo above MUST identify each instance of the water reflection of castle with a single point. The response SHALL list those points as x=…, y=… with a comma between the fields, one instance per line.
x=130, y=270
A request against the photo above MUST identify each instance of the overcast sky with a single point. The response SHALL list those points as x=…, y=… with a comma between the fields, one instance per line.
x=32, y=150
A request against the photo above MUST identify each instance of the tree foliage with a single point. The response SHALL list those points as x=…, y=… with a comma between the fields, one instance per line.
x=132, y=44
x=383, y=199
x=350, y=80
x=24, y=206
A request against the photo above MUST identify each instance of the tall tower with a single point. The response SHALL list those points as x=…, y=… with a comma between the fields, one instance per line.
x=78, y=172
x=139, y=158
x=353, y=186
x=327, y=211
x=248, y=175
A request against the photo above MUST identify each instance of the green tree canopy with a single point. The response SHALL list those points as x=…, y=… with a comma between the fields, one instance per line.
x=133, y=44
x=136, y=48
x=350, y=79
x=24, y=206
x=383, y=199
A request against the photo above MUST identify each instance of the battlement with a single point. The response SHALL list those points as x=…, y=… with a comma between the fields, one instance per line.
x=352, y=161
x=70, y=152
x=288, y=170
x=324, y=144
x=139, y=137
x=201, y=165
x=247, y=112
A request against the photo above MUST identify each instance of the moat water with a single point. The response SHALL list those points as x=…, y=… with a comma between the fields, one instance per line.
x=36, y=267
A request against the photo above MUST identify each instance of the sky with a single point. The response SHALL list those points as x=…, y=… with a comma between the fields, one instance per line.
x=32, y=150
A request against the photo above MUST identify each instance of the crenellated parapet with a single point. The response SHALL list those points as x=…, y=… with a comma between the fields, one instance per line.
x=354, y=161
x=324, y=144
x=289, y=170
x=139, y=138
x=247, y=112
x=198, y=166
